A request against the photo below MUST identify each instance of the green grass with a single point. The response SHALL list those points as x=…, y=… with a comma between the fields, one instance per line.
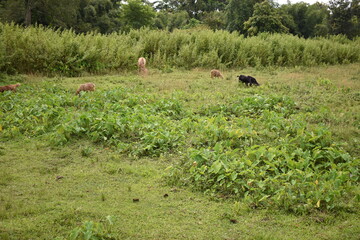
x=46, y=191
x=34, y=204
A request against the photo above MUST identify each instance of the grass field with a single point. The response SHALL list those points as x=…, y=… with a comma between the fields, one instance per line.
x=61, y=171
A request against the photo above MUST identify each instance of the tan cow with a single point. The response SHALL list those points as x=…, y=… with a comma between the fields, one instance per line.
x=141, y=63
x=216, y=73
x=86, y=87
x=9, y=87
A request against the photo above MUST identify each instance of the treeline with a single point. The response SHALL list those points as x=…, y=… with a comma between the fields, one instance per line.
x=42, y=50
x=248, y=17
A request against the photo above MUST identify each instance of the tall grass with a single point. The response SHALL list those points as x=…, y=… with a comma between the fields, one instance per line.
x=43, y=50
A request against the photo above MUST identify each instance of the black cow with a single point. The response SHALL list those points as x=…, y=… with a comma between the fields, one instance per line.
x=248, y=80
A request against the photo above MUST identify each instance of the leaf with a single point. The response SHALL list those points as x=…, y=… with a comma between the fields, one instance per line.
x=264, y=198
x=217, y=147
x=220, y=177
x=216, y=166
x=261, y=185
x=248, y=162
x=233, y=176
x=110, y=219
x=199, y=159
x=74, y=234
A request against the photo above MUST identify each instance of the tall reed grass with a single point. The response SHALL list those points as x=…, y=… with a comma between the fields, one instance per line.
x=43, y=50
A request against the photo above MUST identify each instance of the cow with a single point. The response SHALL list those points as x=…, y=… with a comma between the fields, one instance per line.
x=216, y=73
x=85, y=87
x=141, y=63
x=9, y=87
x=248, y=80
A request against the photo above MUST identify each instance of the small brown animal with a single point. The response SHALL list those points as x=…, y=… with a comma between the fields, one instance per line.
x=216, y=73
x=86, y=87
x=141, y=63
x=9, y=87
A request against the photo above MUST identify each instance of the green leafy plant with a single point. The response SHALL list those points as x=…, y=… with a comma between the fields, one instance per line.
x=93, y=231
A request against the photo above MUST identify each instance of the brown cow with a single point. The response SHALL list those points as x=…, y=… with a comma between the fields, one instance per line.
x=86, y=87
x=216, y=73
x=9, y=87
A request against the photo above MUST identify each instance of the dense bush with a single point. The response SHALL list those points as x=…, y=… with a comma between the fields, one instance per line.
x=43, y=50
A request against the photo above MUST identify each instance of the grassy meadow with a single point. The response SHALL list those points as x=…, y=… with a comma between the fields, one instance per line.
x=178, y=155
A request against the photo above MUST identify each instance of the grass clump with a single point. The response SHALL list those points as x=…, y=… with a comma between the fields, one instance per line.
x=93, y=230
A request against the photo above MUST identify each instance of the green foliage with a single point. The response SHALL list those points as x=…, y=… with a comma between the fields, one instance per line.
x=113, y=117
x=86, y=151
x=97, y=15
x=110, y=16
x=194, y=8
x=215, y=20
x=260, y=147
x=264, y=19
x=270, y=162
x=308, y=20
x=45, y=51
x=93, y=231
x=237, y=13
x=344, y=17
x=170, y=21
x=135, y=14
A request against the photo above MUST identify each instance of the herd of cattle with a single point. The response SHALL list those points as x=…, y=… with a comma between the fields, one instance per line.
x=248, y=80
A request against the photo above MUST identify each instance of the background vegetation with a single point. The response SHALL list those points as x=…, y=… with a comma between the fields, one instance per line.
x=248, y=17
x=43, y=50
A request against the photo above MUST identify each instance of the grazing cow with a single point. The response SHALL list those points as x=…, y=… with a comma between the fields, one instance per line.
x=9, y=87
x=141, y=63
x=248, y=80
x=216, y=73
x=86, y=87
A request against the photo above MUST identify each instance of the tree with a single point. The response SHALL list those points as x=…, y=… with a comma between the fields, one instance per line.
x=171, y=20
x=345, y=17
x=308, y=20
x=340, y=17
x=298, y=13
x=47, y=12
x=316, y=24
x=195, y=8
x=98, y=15
x=215, y=20
x=265, y=19
x=237, y=12
x=135, y=14
x=355, y=18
